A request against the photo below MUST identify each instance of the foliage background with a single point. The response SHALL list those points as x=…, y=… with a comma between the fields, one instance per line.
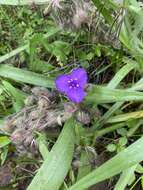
x=106, y=126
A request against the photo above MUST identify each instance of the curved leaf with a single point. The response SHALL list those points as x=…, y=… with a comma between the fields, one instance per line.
x=122, y=161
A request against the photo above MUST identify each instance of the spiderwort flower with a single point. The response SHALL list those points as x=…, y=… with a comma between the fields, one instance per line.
x=73, y=84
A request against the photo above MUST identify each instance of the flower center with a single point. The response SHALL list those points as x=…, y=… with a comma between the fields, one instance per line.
x=73, y=83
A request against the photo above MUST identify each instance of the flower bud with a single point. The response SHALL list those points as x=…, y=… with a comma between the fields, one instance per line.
x=83, y=117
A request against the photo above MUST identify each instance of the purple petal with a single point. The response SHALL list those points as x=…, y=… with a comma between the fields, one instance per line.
x=76, y=95
x=62, y=83
x=81, y=75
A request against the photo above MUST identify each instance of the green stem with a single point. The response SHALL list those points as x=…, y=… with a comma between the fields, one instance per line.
x=108, y=129
x=134, y=128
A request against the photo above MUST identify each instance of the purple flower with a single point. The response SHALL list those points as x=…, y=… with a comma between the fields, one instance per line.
x=73, y=84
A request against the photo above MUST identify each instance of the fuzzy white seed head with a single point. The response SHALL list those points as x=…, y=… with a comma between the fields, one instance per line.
x=80, y=17
x=56, y=4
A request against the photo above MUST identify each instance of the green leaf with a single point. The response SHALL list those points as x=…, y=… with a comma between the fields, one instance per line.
x=122, y=73
x=119, y=76
x=28, y=77
x=4, y=140
x=142, y=181
x=85, y=167
x=132, y=179
x=42, y=66
x=97, y=51
x=43, y=150
x=13, y=53
x=125, y=117
x=131, y=28
x=100, y=94
x=60, y=50
x=109, y=129
x=111, y=147
x=122, y=161
x=4, y=153
x=124, y=178
x=43, y=145
x=123, y=141
x=102, y=7
x=54, y=169
x=17, y=95
x=35, y=63
x=139, y=169
x=51, y=31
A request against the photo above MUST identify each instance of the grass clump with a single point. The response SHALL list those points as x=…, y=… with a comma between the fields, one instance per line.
x=48, y=141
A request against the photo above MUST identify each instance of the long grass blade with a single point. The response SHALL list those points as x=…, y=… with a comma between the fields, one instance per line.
x=122, y=161
x=54, y=169
x=24, y=76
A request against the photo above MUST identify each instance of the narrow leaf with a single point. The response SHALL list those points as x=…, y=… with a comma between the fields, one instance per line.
x=85, y=167
x=13, y=53
x=121, y=74
x=54, y=169
x=122, y=161
x=100, y=94
x=28, y=77
x=124, y=178
x=126, y=117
